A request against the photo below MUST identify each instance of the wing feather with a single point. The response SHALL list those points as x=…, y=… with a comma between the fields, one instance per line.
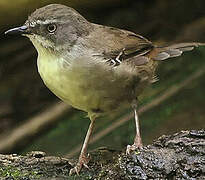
x=133, y=47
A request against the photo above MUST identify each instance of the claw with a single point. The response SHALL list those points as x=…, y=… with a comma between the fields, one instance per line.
x=131, y=148
x=85, y=165
x=137, y=145
x=74, y=170
x=83, y=161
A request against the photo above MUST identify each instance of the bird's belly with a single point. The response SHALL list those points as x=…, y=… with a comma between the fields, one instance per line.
x=91, y=88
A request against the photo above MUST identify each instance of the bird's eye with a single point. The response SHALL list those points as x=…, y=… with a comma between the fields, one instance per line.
x=32, y=24
x=51, y=28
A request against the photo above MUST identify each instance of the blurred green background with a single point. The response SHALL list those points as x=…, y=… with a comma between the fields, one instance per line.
x=25, y=101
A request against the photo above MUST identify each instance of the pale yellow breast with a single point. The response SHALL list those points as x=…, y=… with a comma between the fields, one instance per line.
x=59, y=79
x=84, y=84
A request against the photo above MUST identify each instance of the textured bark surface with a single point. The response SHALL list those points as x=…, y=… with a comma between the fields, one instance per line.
x=178, y=156
x=23, y=94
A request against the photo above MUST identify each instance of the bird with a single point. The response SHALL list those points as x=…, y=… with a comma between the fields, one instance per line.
x=92, y=67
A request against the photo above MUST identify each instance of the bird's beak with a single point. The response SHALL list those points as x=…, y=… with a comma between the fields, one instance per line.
x=18, y=30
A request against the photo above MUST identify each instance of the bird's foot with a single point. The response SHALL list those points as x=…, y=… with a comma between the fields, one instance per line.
x=131, y=148
x=83, y=161
x=137, y=145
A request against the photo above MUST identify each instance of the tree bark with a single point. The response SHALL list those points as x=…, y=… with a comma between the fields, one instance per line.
x=178, y=156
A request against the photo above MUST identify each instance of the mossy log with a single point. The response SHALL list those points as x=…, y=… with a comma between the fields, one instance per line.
x=178, y=156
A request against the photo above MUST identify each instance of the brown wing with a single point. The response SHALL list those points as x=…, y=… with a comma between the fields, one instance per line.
x=135, y=48
x=123, y=45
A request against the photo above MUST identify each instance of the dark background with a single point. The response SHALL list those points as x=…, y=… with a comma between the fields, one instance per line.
x=25, y=101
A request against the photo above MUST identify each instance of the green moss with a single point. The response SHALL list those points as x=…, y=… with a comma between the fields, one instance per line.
x=10, y=171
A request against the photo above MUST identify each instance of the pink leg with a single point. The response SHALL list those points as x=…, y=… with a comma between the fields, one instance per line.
x=83, y=158
x=137, y=140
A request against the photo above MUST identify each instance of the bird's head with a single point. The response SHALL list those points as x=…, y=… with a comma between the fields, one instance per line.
x=54, y=27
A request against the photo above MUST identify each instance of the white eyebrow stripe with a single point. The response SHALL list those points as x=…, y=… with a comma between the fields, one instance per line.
x=46, y=21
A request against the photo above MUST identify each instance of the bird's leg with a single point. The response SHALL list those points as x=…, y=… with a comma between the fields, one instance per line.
x=137, y=140
x=84, y=158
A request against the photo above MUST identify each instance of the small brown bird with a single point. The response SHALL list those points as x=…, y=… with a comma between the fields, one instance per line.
x=92, y=67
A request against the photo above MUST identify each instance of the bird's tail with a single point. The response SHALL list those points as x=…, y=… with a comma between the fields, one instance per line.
x=175, y=50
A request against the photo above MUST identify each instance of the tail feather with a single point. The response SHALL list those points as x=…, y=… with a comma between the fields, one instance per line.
x=175, y=50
